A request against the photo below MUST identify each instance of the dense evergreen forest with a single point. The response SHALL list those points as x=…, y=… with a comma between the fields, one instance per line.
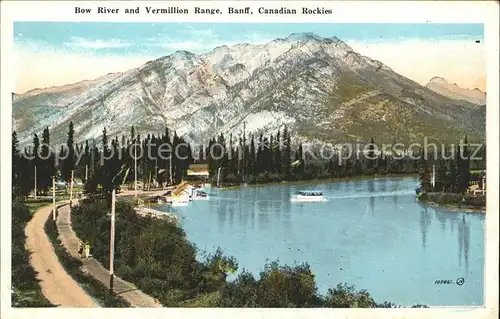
x=249, y=159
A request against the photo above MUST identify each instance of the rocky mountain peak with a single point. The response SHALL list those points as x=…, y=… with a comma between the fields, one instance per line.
x=319, y=87
x=454, y=91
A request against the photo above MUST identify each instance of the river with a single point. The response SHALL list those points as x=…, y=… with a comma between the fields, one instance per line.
x=371, y=233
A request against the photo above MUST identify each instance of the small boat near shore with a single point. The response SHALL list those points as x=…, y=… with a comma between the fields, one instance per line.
x=178, y=203
x=200, y=195
x=309, y=196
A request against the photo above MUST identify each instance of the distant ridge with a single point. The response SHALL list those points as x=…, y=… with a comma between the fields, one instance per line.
x=320, y=88
x=453, y=91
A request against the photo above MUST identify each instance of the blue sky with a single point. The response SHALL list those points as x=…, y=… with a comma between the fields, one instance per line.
x=161, y=38
x=74, y=51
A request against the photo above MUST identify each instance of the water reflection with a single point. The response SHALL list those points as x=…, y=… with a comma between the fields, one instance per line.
x=463, y=242
x=448, y=218
x=286, y=201
x=263, y=212
x=371, y=190
x=425, y=220
x=230, y=212
x=221, y=212
x=442, y=219
x=405, y=237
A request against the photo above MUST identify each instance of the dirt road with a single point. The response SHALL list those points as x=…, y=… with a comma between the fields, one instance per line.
x=70, y=241
x=57, y=286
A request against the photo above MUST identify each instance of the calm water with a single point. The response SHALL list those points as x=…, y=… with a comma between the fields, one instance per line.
x=371, y=233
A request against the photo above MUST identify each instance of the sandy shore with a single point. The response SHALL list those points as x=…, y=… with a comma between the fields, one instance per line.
x=457, y=208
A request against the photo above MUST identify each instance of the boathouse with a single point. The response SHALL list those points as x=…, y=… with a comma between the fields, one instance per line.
x=197, y=174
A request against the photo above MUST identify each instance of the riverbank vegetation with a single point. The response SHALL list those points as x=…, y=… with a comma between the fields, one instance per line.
x=164, y=159
x=447, y=180
x=157, y=257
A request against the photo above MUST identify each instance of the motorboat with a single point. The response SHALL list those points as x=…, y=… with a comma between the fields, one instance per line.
x=200, y=195
x=310, y=196
x=178, y=203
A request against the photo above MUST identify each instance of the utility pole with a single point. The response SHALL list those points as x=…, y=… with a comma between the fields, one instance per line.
x=149, y=181
x=54, y=198
x=170, y=170
x=71, y=189
x=35, y=183
x=218, y=176
x=112, y=241
x=156, y=171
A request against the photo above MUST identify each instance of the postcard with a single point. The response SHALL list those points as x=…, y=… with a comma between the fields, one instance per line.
x=250, y=158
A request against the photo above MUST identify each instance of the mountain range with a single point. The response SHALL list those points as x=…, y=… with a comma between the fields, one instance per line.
x=453, y=91
x=319, y=87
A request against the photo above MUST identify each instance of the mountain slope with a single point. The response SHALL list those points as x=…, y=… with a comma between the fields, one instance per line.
x=319, y=87
x=453, y=91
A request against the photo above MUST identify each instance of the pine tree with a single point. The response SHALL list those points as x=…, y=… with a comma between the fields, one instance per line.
x=452, y=177
x=348, y=167
x=132, y=134
x=116, y=164
x=358, y=167
x=278, y=165
x=371, y=160
x=47, y=165
x=221, y=157
x=16, y=166
x=37, y=162
x=424, y=174
x=201, y=154
x=463, y=168
x=25, y=178
x=252, y=165
x=442, y=181
x=212, y=166
x=86, y=161
x=260, y=155
x=68, y=163
x=104, y=172
x=301, y=167
x=167, y=159
x=286, y=154
x=176, y=161
x=96, y=155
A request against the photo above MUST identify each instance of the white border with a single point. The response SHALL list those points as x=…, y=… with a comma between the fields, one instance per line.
x=343, y=11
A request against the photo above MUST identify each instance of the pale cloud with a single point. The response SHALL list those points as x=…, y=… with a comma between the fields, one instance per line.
x=78, y=42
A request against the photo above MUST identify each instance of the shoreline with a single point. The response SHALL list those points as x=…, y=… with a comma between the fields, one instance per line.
x=318, y=181
x=456, y=208
x=151, y=212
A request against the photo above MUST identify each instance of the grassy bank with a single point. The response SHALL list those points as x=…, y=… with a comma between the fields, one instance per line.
x=455, y=201
x=73, y=267
x=26, y=291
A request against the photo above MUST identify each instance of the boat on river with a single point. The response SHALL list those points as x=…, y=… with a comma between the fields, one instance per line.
x=309, y=196
x=200, y=195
